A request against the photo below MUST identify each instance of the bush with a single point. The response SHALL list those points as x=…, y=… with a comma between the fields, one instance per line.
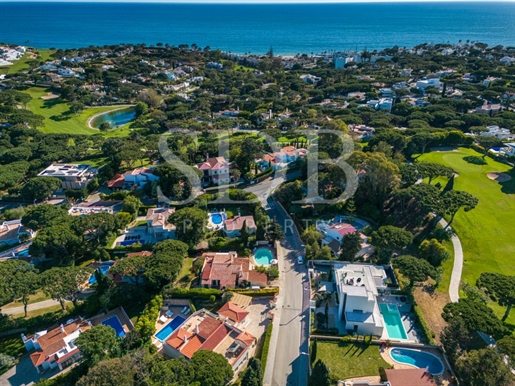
x=382, y=374
x=263, y=352
x=426, y=331
x=184, y=293
x=257, y=293
x=145, y=326
x=326, y=331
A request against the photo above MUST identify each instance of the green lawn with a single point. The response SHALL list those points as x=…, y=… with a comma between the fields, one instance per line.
x=37, y=297
x=58, y=118
x=447, y=268
x=185, y=276
x=21, y=65
x=42, y=311
x=486, y=232
x=349, y=360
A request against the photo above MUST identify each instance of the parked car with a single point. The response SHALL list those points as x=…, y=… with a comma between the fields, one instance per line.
x=300, y=260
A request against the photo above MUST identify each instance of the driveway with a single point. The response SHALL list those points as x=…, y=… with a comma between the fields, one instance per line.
x=24, y=373
x=30, y=307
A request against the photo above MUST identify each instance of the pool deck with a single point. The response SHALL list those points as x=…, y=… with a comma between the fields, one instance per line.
x=444, y=379
x=408, y=319
x=174, y=305
x=118, y=312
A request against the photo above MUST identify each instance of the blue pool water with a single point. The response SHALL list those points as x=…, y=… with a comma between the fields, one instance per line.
x=393, y=321
x=23, y=253
x=169, y=328
x=114, y=322
x=263, y=256
x=103, y=269
x=418, y=359
x=216, y=218
x=130, y=242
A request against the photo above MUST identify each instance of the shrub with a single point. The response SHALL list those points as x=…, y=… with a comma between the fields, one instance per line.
x=382, y=374
x=426, y=331
x=257, y=293
x=145, y=325
x=184, y=293
x=263, y=354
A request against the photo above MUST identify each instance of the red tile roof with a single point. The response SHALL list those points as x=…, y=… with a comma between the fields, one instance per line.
x=213, y=163
x=208, y=326
x=233, y=312
x=116, y=182
x=343, y=228
x=191, y=347
x=236, y=223
x=409, y=377
x=215, y=338
x=246, y=338
x=228, y=269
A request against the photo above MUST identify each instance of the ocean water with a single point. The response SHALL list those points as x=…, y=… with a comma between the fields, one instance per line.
x=288, y=28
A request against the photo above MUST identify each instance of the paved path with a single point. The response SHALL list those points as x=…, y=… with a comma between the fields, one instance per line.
x=454, y=287
x=30, y=307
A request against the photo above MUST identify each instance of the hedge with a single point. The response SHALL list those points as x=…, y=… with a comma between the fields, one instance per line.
x=147, y=321
x=263, y=354
x=184, y=293
x=257, y=293
x=427, y=333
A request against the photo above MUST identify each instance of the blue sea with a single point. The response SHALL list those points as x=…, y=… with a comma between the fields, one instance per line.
x=244, y=28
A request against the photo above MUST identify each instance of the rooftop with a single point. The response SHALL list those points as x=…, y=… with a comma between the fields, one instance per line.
x=409, y=377
x=62, y=170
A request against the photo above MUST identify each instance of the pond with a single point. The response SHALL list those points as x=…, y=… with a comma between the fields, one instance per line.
x=115, y=118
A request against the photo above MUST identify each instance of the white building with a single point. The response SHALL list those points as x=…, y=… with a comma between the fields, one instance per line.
x=216, y=171
x=358, y=286
x=72, y=176
x=66, y=72
x=158, y=225
x=424, y=83
x=310, y=79
x=496, y=131
x=12, y=232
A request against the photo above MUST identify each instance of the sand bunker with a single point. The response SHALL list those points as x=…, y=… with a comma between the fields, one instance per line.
x=49, y=96
x=499, y=177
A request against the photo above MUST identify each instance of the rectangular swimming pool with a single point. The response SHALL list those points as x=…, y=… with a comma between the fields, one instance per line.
x=169, y=328
x=114, y=322
x=393, y=321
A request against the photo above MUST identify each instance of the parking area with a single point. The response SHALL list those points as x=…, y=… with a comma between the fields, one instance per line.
x=258, y=320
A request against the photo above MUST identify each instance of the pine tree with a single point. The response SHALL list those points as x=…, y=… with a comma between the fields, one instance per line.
x=320, y=375
x=314, y=351
x=244, y=234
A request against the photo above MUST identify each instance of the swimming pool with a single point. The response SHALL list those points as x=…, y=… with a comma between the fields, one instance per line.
x=216, y=218
x=393, y=321
x=417, y=358
x=263, y=256
x=103, y=270
x=23, y=253
x=169, y=328
x=114, y=322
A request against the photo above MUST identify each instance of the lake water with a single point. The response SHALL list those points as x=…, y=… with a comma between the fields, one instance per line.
x=115, y=118
x=289, y=28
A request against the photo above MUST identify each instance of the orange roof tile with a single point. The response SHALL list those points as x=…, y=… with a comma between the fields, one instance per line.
x=233, y=312
x=409, y=377
x=192, y=346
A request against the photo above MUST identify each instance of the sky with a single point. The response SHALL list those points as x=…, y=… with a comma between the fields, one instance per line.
x=263, y=1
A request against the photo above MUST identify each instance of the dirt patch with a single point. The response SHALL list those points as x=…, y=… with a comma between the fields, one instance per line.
x=50, y=96
x=431, y=304
x=499, y=177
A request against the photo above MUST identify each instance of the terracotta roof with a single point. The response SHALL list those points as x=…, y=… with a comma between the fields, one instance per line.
x=159, y=216
x=255, y=277
x=142, y=253
x=177, y=338
x=215, y=338
x=246, y=338
x=213, y=163
x=70, y=354
x=233, y=312
x=236, y=223
x=116, y=182
x=208, y=326
x=225, y=267
x=343, y=228
x=192, y=346
x=409, y=377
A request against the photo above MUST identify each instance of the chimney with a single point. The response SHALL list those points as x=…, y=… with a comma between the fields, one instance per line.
x=62, y=328
x=271, y=115
x=196, y=329
x=185, y=339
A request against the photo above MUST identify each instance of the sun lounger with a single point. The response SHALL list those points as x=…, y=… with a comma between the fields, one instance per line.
x=184, y=310
x=169, y=313
x=163, y=319
x=187, y=311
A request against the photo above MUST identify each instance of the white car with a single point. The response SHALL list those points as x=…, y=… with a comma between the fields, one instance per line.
x=300, y=260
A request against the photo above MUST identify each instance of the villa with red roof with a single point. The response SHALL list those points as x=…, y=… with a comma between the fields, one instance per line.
x=227, y=270
x=233, y=313
x=232, y=226
x=216, y=171
x=204, y=330
x=333, y=234
x=158, y=225
x=281, y=159
x=136, y=177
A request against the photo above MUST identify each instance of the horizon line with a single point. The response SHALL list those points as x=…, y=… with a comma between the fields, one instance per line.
x=268, y=2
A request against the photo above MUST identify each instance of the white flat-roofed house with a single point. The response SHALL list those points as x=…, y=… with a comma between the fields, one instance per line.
x=13, y=232
x=358, y=286
x=489, y=109
x=424, y=83
x=66, y=72
x=496, y=131
x=72, y=176
x=310, y=79
x=139, y=176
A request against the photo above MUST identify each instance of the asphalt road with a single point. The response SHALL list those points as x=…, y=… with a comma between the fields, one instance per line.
x=291, y=330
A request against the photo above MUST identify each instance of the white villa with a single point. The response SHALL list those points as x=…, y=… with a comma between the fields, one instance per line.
x=423, y=84
x=136, y=177
x=334, y=232
x=12, y=231
x=280, y=159
x=496, y=131
x=72, y=176
x=358, y=286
